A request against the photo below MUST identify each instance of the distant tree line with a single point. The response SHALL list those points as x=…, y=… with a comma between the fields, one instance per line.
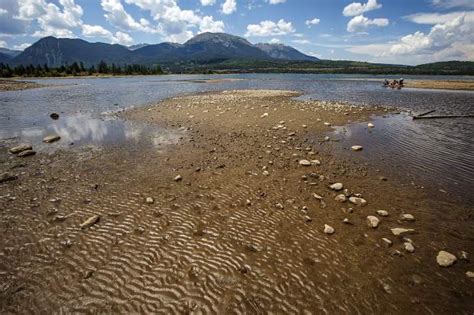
x=76, y=69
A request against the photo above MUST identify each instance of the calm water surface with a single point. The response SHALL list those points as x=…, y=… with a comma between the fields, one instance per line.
x=439, y=152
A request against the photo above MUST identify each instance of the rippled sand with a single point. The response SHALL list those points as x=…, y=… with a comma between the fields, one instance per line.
x=227, y=238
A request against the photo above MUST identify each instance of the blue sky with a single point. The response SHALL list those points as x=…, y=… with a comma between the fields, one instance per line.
x=397, y=31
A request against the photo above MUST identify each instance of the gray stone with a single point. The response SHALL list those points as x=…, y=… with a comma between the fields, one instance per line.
x=445, y=259
x=407, y=217
x=400, y=231
x=305, y=163
x=336, y=186
x=340, y=198
x=51, y=138
x=328, y=229
x=20, y=148
x=409, y=247
x=26, y=153
x=373, y=221
x=382, y=213
x=358, y=201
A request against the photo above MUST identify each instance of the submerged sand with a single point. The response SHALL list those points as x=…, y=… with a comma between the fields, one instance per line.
x=241, y=230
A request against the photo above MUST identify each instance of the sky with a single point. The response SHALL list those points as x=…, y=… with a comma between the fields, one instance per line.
x=396, y=31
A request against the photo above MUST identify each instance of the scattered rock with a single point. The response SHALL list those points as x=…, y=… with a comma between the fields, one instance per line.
x=26, y=153
x=373, y=221
x=20, y=148
x=54, y=116
x=358, y=201
x=305, y=163
x=341, y=198
x=265, y=173
x=315, y=195
x=346, y=221
x=336, y=186
x=149, y=200
x=315, y=162
x=90, y=222
x=370, y=125
x=463, y=255
x=470, y=274
x=409, y=247
x=6, y=177
x=382, y=213
x=245, y=269
x=51, y=138
x=407, y=217
x=328, y=229
x=307, y=219
x=178, y=178
x=356, y=148
x=400, y=231
x=264, y=115
x=387, y=241
x=445, y=259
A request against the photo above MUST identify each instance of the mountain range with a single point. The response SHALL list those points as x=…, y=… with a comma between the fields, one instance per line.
x=203, y=48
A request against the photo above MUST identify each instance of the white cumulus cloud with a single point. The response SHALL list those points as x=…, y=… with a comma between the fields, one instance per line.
x=276, y=1
x=270, y=28
x=357, y=8
x=361, y=23
x=208, y=2
x=314, y=21
x=229, y=6
x=451, y=40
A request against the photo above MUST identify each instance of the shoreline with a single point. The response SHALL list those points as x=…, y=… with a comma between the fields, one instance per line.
x=14, y=85
x=235, y=222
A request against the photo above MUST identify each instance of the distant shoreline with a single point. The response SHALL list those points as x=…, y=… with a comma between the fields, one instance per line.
x=441, y=84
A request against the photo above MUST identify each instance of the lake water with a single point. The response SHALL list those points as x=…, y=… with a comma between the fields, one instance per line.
x=439, y=152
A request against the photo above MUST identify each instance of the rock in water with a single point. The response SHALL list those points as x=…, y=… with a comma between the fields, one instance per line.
x=90, y=222
x=358, y=201
x=51, y=138
x=178, y=178
x=6, y=177
x=305, y=163
x=328, y=229
x=409, y=247
x=341, y=198
x=400, y=231
x=356, y=148
x=382, y=213
x=26, y=153
x=336, y=186
x=373, y=221
x=407, y=217
x=387, y=241
x=54, y=116
x=370, y=125
x=149, y=200
x=20, y=148
x=445, y=259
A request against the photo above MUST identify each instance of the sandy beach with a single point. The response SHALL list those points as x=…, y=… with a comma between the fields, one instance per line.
x=440, y=84
x=252, y=211
x=13, y=85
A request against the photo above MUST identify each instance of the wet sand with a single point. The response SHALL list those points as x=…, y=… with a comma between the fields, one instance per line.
x=12, y=85
x=440, y=84
x=239, y=231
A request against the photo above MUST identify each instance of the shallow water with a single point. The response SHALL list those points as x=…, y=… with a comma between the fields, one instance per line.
x=430, y=151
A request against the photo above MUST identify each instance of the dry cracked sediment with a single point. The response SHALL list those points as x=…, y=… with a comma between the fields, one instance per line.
x=241, y=230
